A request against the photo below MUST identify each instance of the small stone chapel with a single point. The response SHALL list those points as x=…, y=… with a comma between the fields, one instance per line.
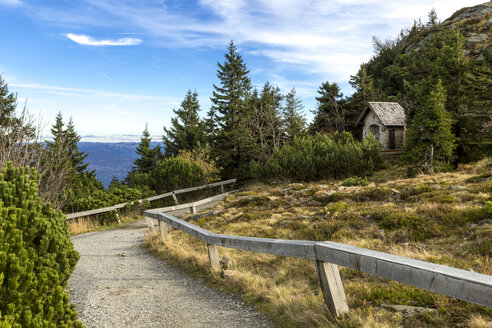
x=386, y=121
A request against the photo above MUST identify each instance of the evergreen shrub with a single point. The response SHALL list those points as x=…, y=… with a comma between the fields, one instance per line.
x=175, y=172
x=36, y=255
x=321, y=156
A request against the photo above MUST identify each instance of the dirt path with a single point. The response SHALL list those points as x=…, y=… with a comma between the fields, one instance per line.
x=116, y=283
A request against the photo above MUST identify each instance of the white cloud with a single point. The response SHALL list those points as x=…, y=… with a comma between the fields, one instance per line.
x=10, y=2
x=89, y=41
x=67, y=91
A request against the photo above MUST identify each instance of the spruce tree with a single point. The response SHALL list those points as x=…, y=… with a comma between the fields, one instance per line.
x=292, y=112
x=148, y=157
x=8, y=103
x=234, y=146
x=330, y=114
x=266, y=125
x=187, y=130
x=430, y=135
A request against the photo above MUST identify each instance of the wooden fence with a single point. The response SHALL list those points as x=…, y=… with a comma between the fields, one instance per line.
x=464, y=285
x=220, y=184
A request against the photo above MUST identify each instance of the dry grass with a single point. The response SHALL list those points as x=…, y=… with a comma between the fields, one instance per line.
x=89, y=224
x=407, y=217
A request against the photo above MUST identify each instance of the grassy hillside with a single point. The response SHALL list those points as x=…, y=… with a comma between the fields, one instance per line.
x=440, y=218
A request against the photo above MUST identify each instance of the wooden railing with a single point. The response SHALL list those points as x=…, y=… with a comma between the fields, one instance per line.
x=464, y=285
x=220, y=184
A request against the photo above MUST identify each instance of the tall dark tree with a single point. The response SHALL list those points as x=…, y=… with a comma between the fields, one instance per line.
x=234, y=146
x=77, y=157
x=187, y=131
x=430, y=136
x=266, y=125
x=363, y=83
x=292, y=113
x=330, y=114
x=8, y=103
x=148, y=156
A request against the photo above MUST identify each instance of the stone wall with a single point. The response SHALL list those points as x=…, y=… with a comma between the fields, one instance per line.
x=384, y=131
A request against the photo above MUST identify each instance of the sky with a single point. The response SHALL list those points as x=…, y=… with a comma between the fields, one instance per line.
x=114, y=66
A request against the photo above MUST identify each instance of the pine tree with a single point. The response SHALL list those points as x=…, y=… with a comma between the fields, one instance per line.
x=77, y=157
x=266, y=125
x=36, y=255
x=430, y=135
x=363, y=83
x=292, y=112
x=330, y=114
x=234, y=146
x=148, y=157
x=187, y=130
x=8, y=103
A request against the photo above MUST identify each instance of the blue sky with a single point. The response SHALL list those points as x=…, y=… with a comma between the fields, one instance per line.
x=113, y=65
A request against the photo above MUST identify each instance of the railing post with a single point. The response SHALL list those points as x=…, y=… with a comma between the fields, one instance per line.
x=193, y=209
x=175, y=199
x=213, y=256
x=332, y=288
x=150, y=224
x=222, y=188
x=164, y=228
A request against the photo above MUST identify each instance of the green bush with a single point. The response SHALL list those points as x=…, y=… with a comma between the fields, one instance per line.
x=175, y=172
x=321, y=156
x=355, y=181
x=488, y=207
x=36, y=255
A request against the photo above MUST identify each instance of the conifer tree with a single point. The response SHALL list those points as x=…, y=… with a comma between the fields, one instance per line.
x=330, y=114
x=234, y=146
x=266, y=125
x=77, y=157
x=148, y=157
x=187, y=129
x=292, y=112
x=8, y=103
x=430, y=135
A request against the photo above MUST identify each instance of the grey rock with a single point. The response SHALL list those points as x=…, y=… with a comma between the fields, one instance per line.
x=457, y=187
x=408, y=310
x=225, y=262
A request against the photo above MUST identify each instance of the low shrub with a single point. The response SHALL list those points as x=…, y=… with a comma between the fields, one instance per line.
x=36, y=255
x=320, y=157
x=355, y=181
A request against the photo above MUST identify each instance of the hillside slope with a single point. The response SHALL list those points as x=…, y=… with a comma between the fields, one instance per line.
x=475, y=23
x=440, y=218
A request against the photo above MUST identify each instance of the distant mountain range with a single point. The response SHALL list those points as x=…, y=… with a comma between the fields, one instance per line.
x=110, y=159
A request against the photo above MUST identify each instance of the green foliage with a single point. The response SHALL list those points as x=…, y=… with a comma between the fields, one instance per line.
x=187, y=129
x=488, y=207
x=355, y=181
x=320, y=157
x=330, y=114
x=174, y=172
x=148, y=157
x=8, y=104
x=409, y=76
x=88, y=193
x=233, y=144
x=430, y=136
x=36, y=255
x=292, y=112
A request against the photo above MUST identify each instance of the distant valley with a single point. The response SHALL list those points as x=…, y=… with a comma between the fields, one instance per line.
x=110, y=159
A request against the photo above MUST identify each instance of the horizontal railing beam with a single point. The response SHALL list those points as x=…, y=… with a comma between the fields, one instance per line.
x=464, y=285
x=117, y=206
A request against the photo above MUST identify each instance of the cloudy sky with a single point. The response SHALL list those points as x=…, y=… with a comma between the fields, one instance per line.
x=113, y=65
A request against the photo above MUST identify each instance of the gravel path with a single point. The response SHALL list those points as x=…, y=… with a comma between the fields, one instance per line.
x=117, y=283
